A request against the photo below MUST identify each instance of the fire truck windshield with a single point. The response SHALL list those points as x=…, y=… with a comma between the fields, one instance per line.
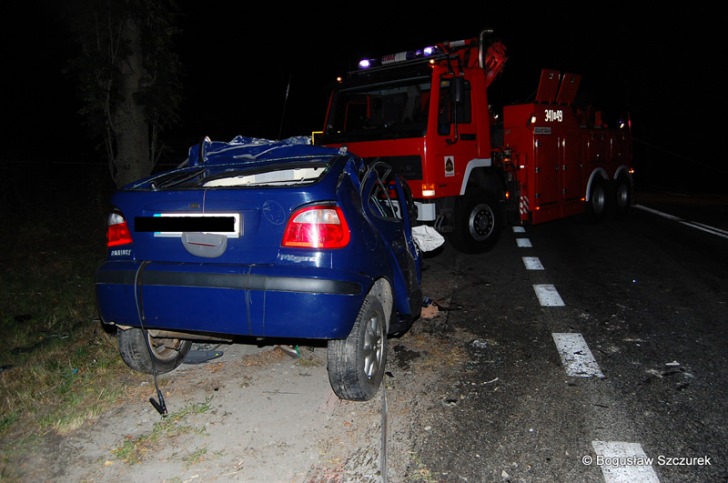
x=379, y=111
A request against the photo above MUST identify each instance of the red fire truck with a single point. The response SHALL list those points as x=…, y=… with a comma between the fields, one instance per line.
x=472, y=170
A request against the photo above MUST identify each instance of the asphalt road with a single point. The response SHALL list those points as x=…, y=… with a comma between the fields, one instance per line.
x=597, y=352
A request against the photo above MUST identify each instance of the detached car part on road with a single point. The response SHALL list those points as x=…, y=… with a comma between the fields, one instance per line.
x=265, y=239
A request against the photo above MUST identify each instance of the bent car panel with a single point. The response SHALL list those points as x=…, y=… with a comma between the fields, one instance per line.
x=241, y=301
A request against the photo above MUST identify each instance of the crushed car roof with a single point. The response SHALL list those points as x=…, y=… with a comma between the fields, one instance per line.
x=243, y=148
x=238, y=152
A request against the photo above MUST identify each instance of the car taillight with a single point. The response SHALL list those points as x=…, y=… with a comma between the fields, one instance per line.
x=317, y=227
x=117, y=231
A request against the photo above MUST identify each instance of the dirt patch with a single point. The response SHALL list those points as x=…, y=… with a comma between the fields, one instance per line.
x=258, y=414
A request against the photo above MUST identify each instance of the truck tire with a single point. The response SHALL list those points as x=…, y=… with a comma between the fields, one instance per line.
x=622, y=196
x=597, y=205
x=147, y=354
x=478, y=222
x=356, y=364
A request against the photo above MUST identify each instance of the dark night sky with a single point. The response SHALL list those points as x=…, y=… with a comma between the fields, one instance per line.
x=660, y=64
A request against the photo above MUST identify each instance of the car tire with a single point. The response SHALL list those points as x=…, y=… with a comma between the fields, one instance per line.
x=478, y=223
x=356, y=364
x=147, y=354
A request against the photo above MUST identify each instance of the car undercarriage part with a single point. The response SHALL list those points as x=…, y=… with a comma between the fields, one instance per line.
x=160, y=405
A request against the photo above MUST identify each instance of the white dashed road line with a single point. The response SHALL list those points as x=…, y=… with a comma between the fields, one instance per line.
x=623, y=462
x=547, y=295
x=523, y=242
x=532, y=263
x=620, y=462
x=576, y=356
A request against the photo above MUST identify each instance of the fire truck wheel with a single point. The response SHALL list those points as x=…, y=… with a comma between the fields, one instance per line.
x=597, y=205
x=622, y=196
x=478, y=223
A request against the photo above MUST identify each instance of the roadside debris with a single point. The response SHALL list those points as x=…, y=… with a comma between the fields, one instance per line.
x=201, y=353
x=431, y=308
x=290, y=350
x=480, y=344
x=427, y=238
x=201, y=356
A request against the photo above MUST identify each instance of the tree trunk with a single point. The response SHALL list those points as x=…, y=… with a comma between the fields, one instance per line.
x=132, y=160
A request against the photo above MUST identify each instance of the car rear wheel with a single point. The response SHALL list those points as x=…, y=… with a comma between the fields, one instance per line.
x=356, y=364
x=146, y=354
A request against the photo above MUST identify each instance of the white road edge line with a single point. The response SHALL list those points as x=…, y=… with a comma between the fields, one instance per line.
x=706, y=228
x=693, y=224
x=658, y=213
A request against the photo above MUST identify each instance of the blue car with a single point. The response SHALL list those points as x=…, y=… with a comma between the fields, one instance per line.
x=266, y=239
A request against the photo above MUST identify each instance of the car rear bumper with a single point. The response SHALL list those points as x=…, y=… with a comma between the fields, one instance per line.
x=259, y=301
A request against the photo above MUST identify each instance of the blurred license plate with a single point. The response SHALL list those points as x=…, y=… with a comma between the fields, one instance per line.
x=174, y=224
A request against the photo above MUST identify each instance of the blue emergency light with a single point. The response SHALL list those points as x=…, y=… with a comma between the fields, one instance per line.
x=398, y=57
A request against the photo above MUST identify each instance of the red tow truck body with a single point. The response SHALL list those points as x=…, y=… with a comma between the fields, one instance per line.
x=471, y=169
x=561, y=152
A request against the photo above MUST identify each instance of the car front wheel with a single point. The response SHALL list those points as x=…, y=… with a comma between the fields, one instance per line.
x=356, y=364
x=146, y=354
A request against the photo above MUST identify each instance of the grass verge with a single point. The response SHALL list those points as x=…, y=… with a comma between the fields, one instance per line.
x=59, y=368
x=134, y=450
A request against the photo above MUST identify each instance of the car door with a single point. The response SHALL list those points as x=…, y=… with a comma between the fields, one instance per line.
x=389, y=206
